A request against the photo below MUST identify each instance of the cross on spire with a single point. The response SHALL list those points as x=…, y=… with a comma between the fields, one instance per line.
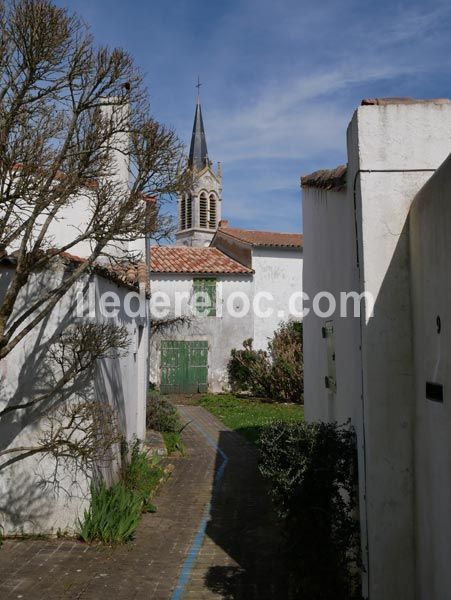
x=198, y=85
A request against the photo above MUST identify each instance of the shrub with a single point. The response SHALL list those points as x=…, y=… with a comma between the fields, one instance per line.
x=311, y=470
x=277, y=374
x=286, y=372
x=161, y=415
x=247, y=370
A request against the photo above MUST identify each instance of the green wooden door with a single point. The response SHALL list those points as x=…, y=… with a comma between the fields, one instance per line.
x=184, y=367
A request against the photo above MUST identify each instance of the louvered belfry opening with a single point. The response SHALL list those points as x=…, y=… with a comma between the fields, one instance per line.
x=203, y=210
x=189, y=212
x=183, y=213
x=213, y=217
x=186, y=213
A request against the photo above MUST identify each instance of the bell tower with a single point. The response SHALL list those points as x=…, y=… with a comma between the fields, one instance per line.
x=199, y=211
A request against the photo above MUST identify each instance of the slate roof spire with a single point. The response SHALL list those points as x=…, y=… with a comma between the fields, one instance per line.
x=198, y=154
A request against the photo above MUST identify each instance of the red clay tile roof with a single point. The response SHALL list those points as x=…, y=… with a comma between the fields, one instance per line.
x=403, y=100
x=326, y=179
x=265, y=238
x=186, y=259
x=128, y=274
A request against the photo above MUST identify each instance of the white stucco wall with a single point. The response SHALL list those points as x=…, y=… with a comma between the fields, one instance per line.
x=430, y=244
x=330, y=264
x=223, y=333
x=33, y=497
x=394, y=137
x=405, y=142
x=278, y=271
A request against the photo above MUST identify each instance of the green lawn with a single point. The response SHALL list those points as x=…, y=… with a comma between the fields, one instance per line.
x=246, y=415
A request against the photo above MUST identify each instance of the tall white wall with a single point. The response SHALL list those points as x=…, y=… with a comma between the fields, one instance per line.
x=278, y=271
x=393, y=150
x=34, y=497
x=330, y=264
x=223, y=333
x=396, y=137
x=430, y=244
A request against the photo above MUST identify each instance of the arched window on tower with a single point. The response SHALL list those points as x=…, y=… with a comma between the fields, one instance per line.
x=183, y=213
x=213, y=216
x=203, y=210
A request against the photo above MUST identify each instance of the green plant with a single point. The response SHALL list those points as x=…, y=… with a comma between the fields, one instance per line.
x=173, y=442
x=245, y=369
x=142, y=476
x=161, y=415
x=286, y=371
x=113, y=514
x=311, y=469
x=277, y=374
x=248, y=416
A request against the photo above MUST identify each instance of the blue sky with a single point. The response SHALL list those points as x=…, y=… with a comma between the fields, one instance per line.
x=281, y=80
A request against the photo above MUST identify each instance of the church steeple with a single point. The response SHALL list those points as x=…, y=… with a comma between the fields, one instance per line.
x=198, y=155
x=200, y=209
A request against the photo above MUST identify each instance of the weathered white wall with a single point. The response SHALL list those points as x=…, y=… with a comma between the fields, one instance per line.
x=405, y=143
x=430, y=244
x=33, y=497
x=223, y=333
x=394, y=137
x=330, y=264
x=124, y=381
x=278, y=271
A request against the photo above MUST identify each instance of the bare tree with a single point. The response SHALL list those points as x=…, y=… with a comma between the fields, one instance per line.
x=65, y=107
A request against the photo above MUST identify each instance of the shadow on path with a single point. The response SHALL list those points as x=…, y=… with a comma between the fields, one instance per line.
x=242, y=554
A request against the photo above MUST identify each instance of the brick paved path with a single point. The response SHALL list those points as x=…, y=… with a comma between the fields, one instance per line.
x=237, y=554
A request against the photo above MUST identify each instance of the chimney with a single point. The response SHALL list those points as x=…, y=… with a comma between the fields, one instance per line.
x=115, y=111
x=223, y=223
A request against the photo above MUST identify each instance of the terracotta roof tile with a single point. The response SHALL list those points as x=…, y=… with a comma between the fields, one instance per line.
x=184, y=259
x=327, y=179
x=133, y=275
x=265, y=238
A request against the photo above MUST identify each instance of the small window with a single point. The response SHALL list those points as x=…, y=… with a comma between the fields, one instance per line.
x=205, y=297
x=203, y=210
x=213, y=212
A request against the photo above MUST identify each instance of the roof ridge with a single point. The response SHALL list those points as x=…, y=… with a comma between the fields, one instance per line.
x=263, y=230
x=259, y=237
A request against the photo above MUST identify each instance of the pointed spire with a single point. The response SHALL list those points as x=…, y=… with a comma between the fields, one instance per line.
x=198, y=155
